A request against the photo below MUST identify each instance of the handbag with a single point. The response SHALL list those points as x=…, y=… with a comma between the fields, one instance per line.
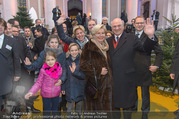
x=92, y=90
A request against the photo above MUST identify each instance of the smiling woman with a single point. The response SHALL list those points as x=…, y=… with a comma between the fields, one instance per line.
x=95, y=57
x=78, y=31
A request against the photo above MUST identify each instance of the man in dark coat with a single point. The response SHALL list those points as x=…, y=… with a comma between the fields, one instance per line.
x=39, y=41
x=38, y=23
x=143, y=65
x=27, y=77
x=10, y=61
x=175, y=67
x=79, y=19
x=105, y=22
x=124, y=16
x=122, y=49
x=155, y=18
x=56, y=13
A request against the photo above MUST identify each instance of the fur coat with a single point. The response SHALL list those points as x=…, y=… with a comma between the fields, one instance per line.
x=98, y=61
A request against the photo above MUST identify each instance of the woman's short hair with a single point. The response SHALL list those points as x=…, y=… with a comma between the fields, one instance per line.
x=97, y=27
x=78, y=27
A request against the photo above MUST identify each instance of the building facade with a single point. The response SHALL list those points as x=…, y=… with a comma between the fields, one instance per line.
x=95, y=8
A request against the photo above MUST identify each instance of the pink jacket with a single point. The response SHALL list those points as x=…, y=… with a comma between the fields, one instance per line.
x=47, y=84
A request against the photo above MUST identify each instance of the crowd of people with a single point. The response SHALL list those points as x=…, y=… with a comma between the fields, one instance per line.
x=113, y=61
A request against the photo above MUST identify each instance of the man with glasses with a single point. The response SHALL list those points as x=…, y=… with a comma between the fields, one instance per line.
x=144, y=68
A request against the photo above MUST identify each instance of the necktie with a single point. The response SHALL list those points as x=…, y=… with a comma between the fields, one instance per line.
x=137, y=35
x=117, y=38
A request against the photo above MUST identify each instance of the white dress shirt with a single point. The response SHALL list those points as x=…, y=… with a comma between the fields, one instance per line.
x=1, y=40
x=118, y=37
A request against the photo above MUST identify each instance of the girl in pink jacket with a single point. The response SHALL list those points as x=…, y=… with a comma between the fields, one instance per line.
x=49, y=82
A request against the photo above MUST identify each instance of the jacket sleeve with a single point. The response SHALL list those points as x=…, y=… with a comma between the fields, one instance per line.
x=78, y=74
x=65, y=38
x=38, y=83
x=53, y=11
x=16, y=58
x=63, y=59
x=26, y=50
x=36, y=46
x=147, y=46
x=38, y=63
x=159, y=55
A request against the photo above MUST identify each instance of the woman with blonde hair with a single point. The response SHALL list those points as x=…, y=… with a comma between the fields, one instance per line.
x=78, y=31
x=95, y=62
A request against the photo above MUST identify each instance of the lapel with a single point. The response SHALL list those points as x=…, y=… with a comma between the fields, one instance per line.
x=121, y=42
x=142, y=38
x=5, y=42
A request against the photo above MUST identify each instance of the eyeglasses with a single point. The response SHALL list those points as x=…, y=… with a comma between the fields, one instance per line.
x=139, y=23
x=15, y=31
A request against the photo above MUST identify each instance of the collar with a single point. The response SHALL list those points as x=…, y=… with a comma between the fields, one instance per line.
x=140, y=33
x=2, y=37
x=118, y=36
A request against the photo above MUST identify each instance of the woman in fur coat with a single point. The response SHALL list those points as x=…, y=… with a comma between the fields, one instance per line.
x=95, y=55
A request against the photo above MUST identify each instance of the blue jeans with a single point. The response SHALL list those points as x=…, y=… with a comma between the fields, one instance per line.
x=50, y=105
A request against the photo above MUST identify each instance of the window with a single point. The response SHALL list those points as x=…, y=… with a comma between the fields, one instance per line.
x=123, y=5
x=103, y=8
x=21, y=3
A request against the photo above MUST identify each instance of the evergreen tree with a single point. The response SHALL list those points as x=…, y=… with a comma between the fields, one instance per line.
x=23, y=17
x=170, y=39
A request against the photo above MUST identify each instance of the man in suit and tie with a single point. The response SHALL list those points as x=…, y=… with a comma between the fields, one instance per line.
x=8, y=51
x=143, y=66
x=155, y=18
x=122, y=49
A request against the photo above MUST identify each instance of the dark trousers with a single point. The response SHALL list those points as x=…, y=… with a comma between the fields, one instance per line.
x=145, y=102
x=156, y=24
x=145, y=99
x=78, y=108
x=50, y=105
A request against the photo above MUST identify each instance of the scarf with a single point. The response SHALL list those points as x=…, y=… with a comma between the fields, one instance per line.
x=103, y=46
x=53, y=72
x=57, y=51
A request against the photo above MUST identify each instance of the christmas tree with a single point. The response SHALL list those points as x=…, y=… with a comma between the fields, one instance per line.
x=23, y=17
x=169, y=38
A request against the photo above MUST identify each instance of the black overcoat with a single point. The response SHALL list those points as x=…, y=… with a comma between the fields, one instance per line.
x=123, y=68
x=10, y=62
